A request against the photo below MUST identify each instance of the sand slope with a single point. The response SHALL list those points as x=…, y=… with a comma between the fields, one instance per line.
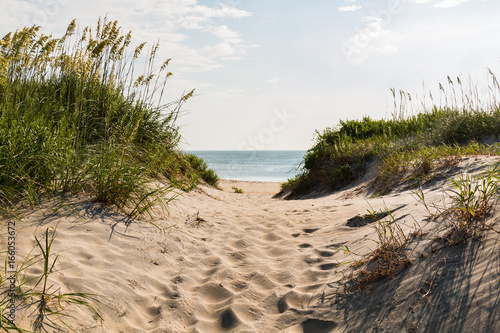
x=248, y=263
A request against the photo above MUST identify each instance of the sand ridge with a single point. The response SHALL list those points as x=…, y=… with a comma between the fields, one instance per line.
x=229, y=262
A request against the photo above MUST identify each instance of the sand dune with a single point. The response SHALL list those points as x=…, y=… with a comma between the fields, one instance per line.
x=229, y=262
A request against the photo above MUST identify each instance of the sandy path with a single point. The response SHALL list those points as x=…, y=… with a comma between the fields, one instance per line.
x=249, y=263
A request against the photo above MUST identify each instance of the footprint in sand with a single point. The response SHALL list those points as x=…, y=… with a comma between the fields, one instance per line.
x=228, y=319
x=214, y=293
x=310, y=230
x=326, y=267
x=324, y=254
x=291, y=300
x=317, y=326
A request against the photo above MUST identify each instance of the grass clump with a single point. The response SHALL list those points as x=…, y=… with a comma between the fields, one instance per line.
x=237, y=190
x=405, y=148
x=472, y=198
x=201, y=168
x=389, y=258
x=186, y=170
x=23, y=291
x=75, y=117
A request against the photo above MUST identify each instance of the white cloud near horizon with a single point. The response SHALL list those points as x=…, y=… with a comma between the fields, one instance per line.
x=273, y=79
x=351, y=8
x=449, y=3
x=442, y=3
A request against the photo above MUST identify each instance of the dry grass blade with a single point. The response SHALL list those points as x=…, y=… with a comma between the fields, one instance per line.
x=388, y=259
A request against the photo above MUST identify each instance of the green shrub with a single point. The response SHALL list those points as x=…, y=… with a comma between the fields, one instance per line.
x=211, y=177
x=201, y=169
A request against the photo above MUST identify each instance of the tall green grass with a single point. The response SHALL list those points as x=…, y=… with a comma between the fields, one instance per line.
x=406, y=147
x=77, y=115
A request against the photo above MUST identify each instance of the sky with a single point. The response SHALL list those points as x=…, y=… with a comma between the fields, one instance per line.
x=269, y=73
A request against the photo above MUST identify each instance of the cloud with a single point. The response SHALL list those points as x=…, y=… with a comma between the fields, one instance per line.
x=442, y=3
x=226, y=34
x=351, y=8
x=273, y=79
x=172, y=22
x=450, y=3
x=227, y=93
x=219, y=50
x=220, y=12
x=373, y=38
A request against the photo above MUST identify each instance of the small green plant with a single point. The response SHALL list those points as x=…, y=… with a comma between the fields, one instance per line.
x=37, y=291
x=418, y=192
x=211, y=177
x=390, y=254
x=50, y=302
x=472, y=198
x=237, y=190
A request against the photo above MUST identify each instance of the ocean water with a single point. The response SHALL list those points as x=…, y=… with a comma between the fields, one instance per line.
x=277, y=166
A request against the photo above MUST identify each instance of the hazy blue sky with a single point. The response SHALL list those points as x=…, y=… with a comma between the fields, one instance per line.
x=268, y=73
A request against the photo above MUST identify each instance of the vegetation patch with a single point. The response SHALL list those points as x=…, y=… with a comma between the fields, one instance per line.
x=237, y=190
x=473, y=197
x=405, y=148
x=76, y=117
x=389, y=258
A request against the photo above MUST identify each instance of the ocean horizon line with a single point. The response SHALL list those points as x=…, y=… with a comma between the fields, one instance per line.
x=247, y=150
x=253, y=165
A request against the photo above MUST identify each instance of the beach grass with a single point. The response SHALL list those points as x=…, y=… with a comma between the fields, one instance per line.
x=405, y=148
x=78, y=116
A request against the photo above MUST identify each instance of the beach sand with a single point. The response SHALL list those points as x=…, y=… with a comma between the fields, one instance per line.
x=229, y=262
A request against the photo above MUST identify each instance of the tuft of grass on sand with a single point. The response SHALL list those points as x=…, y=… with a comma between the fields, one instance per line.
x=472, y=198
x=24, y=291
x=237, y=190
x=389, y=258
